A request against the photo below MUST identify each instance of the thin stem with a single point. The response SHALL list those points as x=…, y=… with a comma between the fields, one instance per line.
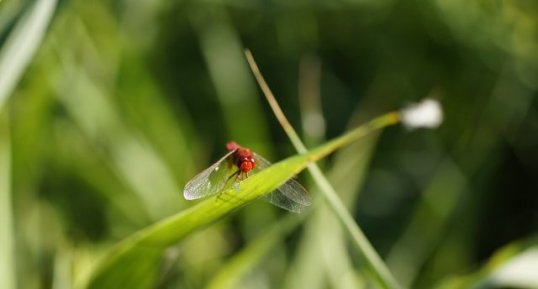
x=374, y=263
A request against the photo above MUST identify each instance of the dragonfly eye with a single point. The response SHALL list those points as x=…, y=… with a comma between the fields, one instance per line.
x=247, y=166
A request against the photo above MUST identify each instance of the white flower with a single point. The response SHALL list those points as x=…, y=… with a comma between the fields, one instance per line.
x=427, y=114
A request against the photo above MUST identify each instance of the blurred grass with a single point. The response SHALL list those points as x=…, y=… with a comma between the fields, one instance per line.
x=21, y=44
x=245, y=261
x=122, y=102
x=512, y=266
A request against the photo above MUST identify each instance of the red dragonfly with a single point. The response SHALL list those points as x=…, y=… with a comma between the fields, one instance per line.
x=236, y=166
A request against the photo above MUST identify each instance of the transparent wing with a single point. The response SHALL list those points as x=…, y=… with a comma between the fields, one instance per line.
x=210, y=181
x=291, y=196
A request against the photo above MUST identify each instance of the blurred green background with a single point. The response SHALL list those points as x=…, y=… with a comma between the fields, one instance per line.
x=122, y=102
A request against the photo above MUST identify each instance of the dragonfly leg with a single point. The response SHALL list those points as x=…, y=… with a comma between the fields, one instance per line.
x=235, y=175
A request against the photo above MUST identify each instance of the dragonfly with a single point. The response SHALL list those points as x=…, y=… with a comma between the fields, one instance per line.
x=237, y=165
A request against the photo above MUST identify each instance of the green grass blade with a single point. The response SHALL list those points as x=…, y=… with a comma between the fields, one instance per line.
x=22, y=45
x=147, y=244
x=7, y=246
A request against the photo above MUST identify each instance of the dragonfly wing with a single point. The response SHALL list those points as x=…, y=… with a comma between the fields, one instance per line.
x=261, y=162
x=291, y=196
x=210, y=181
